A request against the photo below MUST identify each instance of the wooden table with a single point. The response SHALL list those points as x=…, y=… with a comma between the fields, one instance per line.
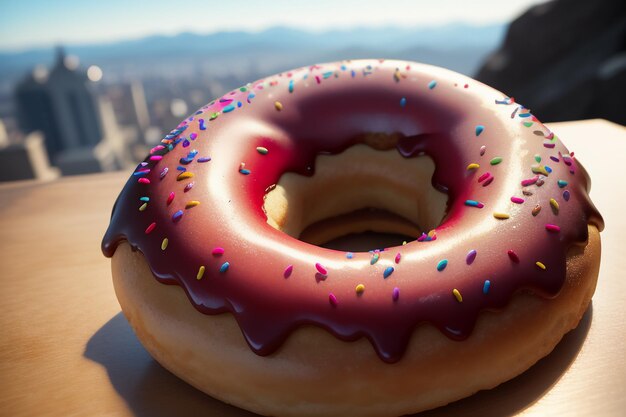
x=65, y=348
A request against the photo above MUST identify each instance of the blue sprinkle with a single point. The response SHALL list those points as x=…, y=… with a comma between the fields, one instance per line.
x=524, y=114
x=562, y=183
x=479, y=129
x=548, y=169
x=349, y=255
x=192, y=154
x=204, y=159
x=239, y=104
x=442, y=265
x=403, y=102
x=182, y=169
x=327, y=74
x=186, y=143
x=388, y=271
x=291, y=86
x=146, y=199
x=228, y=108
x=566, y=195
x=343, y=68
x=224, y=267
x=139, y=173
x=186, y=161
x=201, y=124
x=177, y=216
x=432, y=84
x=245, y=171
x=353, y=73
x=251, y=95
x=486, y=286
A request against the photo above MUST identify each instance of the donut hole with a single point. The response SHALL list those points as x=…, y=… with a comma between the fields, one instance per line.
x=360, y=199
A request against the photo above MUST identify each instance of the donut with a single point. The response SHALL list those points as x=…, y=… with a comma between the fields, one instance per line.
x=231, y=211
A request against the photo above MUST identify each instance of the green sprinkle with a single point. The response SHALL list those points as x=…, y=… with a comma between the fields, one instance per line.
x=496, y=160
x=537, y=158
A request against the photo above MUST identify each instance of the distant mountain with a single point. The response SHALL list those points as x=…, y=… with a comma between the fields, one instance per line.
x=457, y=46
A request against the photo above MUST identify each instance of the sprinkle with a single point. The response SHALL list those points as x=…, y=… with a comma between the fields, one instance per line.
x=441, y=265
x=143, y=207
x=552, y=228
x=204, y=159
x=484, y=176
x=486, y=286
x=164, y=172
x=500, y=216
x=191, y=204
x=184, y=175
x=537, y=157
x=150, y=228
x=200, y=273
x=398, y=257
x=432, y=84
x=513, y=256
x=177, y=216
x=403, y=102
x=540, y=170
x=474, y=203
x=562, y=183
x=143, y=181
x=388, y=271
x=395, y=294
x=482, y=150
x=536, y=210
x=291, y=86
x=517, y=200
x=164, y=243
x=488, y=181
x=224, y=267
x=359, y=289
x=457, y=295
x=479, y=129
x=496, y=160
x=471, y=256
x=349, y=255
x=170, y=198
x=527, y=192
x=530, y=181
x=218, y=251
x=320, y=268
x=287, y=272
x=555, y=206
x=473, y=166
x=278, y=105
x=244, y=171
x=262, y=150
x=228, y=108
x=540, y=265
x=188, y=187
x=566, y=195
x=156, y=157
x=374, y=258
x=332, y=299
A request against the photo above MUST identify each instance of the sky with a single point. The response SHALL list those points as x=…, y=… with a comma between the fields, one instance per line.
x=42, y=23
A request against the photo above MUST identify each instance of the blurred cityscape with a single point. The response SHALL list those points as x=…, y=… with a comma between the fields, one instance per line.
x=100, y=107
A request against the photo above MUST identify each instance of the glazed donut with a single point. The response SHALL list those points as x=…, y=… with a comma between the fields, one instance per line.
x=503, y=262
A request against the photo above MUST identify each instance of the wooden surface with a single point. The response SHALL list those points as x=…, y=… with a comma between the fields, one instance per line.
x=65, y=348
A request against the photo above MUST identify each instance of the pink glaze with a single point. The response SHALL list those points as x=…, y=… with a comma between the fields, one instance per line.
x=323, y=109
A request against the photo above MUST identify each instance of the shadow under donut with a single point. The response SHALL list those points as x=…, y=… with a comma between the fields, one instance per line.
x=151, y=390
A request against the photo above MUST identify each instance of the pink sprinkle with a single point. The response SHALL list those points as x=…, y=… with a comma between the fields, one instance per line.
x=482, y=150
x=332, y=299
x=170, y=198
x=320, y=268
x=157, y=148
x=398, y=257
x=513, y=256
x=395, y=294
x=517, y=200
x=484, y=176
x=150, y=228
x=488, y=181
x=143, y=181
x=217, y=251
x=552, y=228
x=156, y=157
x=288, y=271
x=317, y=78
x=530, y=181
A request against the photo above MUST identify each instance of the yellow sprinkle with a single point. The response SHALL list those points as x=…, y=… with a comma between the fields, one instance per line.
x=184, y=175
x=458, y=295
x=540, y=265
x=360, y=288
x=555, y=205
x=278, y=105
x=191, y=204
x=473, y=166
x=403, y=242
x=540, y=170
x=200, y=273
x=143, y=207
x=500, y=216
x=164, y=243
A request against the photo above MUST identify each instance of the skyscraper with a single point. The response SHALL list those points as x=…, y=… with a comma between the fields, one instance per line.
x=61, y=104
